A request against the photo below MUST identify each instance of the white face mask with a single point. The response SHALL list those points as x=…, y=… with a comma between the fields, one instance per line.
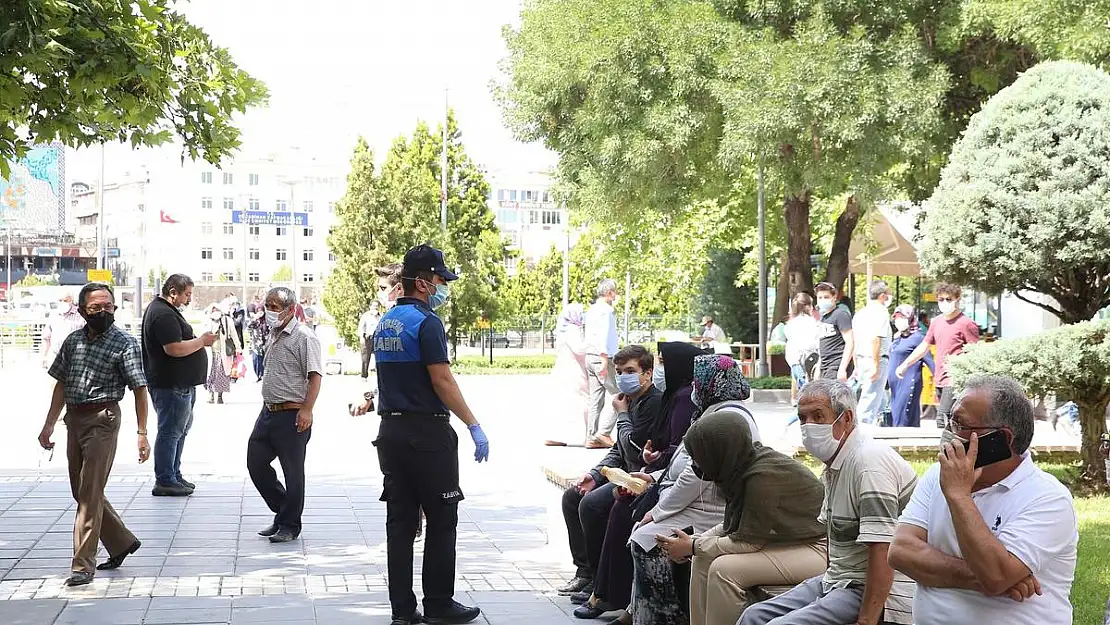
x=946, y=308
x=889, y=302
x=902, y=324
x=818, y=439
x=273, y=319
x=659, y=377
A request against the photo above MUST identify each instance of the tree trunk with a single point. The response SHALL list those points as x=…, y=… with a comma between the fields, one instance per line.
x=782, y=293
x=837, y=271
x=799, y=247
x=1092, y=419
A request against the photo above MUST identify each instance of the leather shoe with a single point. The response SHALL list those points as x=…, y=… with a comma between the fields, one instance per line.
x=624, y=618
x=269, y=531
x=283, y=536
x=578, y=584
x=186, y=483
x=454, y=613
x=79, y=578
x=408, y=620
x=592, y=611
x=115, y=561
x=581, y=598
x=170, y=490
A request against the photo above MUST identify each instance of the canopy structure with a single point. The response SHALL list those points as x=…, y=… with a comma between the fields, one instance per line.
x=883, y=247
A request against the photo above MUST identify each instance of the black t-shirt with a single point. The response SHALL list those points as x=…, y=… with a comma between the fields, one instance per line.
x=831, y=348
x=163, y=325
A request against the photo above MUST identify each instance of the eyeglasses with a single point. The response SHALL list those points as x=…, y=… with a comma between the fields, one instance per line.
x=955, y=426
x=92, y=310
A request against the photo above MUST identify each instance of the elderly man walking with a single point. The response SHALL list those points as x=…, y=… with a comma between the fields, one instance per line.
x=64, y=322
x=93, y=367
x=601, y=346
x=293, y=366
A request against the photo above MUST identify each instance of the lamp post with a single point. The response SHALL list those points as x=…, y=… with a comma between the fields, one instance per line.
x=764, y=365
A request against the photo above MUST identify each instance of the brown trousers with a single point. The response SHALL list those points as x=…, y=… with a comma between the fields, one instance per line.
x=91, y=450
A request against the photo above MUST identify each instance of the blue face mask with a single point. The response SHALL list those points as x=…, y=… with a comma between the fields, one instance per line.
x=659, y=378
x=439, y=297
x=628, y=383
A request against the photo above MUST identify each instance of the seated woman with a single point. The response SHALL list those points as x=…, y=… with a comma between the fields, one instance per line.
x=770, y=534
x=673, y=374
x=685, y=500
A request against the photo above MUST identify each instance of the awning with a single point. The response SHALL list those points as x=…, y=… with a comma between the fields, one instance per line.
x=882, y=247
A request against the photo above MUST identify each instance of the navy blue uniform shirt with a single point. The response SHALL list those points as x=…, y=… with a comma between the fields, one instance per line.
x=408, y=339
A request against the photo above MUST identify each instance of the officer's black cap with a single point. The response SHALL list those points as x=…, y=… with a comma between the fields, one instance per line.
x=427, y=258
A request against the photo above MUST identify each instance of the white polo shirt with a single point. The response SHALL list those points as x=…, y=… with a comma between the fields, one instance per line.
x=1032, y=514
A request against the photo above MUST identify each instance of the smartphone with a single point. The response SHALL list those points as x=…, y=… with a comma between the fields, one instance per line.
x=992, y=448
x=688, y=530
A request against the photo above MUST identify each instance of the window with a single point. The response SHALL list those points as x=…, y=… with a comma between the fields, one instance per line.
x=254, y=254
x=308, y=232
x=507, y=215
x=227, y=276
x=252, y=180
x=331, y=207
x=514, y=238
x=331, y=257
x=227, y=178
x=281, y=254
x=229, y=203
x=533, y=217
x=280, y=205
x=206, y=177
x=309, y=255
x=281, y=230
x=206, y=253
x=229, y=228
x=252, y=276
x=500, y=195
x=552, y=218
x=206, y=202
x=529, y=196
x=255, y=230
x=206, y=227
x=252, y=203
x=307, y=206
x=512, y=195
x=546, y=197
x=229, y=253
x=307, y=277
x=206, y=276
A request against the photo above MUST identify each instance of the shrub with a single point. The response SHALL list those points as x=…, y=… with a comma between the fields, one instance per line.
x=1072, y=360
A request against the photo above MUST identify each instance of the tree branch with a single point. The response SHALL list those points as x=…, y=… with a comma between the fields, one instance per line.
x=1050, y=309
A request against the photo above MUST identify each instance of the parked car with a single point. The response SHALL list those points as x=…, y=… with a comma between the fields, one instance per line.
x=503, y=340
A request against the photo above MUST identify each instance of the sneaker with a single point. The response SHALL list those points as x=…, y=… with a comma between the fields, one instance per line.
x=578, y=584
x=408, y=620
x=454, y=613
x=171, y=490
x=186, y=483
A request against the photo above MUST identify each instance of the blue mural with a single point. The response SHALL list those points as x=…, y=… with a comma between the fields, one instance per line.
x=33, y=197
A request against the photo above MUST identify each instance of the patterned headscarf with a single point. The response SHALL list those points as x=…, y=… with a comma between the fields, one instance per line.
x=570, y=317
x=718, y=378
x=910, y=313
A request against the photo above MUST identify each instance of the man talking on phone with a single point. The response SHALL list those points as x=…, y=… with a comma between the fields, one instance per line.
x=586, y=504
x=988, y=536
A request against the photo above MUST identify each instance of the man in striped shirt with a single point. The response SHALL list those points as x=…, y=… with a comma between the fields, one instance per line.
x=867, y=485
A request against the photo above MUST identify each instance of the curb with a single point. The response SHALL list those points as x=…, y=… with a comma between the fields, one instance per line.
x=770, y=396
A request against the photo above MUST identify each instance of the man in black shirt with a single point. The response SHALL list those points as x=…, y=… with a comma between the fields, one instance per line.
x=835, y=330
x=175, y=364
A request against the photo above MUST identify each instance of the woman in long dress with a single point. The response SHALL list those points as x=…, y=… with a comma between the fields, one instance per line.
x=905, y=392
x=568, y=379
x=223, y=353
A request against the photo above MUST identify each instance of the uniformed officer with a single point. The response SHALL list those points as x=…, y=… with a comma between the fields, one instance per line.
x=417, y=448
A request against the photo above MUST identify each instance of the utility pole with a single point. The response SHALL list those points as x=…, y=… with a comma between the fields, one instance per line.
x=101, y=247
x=566, y=270
x=763, y=368
x=243, y=206
x=443, y=168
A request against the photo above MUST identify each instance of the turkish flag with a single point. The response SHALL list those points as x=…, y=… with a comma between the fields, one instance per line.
x=166, y=219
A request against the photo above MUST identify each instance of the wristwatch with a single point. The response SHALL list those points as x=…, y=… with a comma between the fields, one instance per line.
x=368, y=395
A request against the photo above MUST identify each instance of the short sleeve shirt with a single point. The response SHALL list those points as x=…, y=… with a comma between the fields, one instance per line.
x=98, y=370
x=950, y=336
x=293, y=354
x=866, y=488
x=831, y=346
x=1033, y=516
x=870, y=322
x=163, y=325
x=601, y=329
x=409, y=338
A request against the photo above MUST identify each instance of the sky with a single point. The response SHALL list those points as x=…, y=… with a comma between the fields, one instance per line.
x=337, y=69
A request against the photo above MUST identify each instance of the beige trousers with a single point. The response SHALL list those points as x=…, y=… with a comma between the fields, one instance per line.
x=723, y=570
x=91, y=450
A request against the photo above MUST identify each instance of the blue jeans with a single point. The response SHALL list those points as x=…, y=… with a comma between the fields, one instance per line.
x=174, y=407
x=872, y=395
x=259, y=367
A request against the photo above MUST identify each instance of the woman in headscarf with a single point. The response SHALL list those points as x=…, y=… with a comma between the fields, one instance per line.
x=673, y=374
x=685, y=500
x=770, y=534
x=223, y=354
x=568, y=379
x=905, y=392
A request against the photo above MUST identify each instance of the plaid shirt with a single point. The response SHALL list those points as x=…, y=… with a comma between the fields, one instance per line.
x=291, y=355
x=95, y=371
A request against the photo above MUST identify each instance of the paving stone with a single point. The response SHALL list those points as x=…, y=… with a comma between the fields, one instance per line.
x=32, y=612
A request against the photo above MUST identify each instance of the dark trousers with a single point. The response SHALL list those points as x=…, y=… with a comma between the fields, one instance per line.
x=419, y=459
x=275, y=435
x=259, y=364
x=946, y=398
x=174, y=407
x=614, y=572
x=367, y=350
x=586, y=518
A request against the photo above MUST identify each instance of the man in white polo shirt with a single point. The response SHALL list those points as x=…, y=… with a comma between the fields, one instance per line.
x=995, y=544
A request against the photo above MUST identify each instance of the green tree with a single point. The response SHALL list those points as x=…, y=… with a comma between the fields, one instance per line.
x=135, y=72
x=1024, y=202
x=284, y=273
x=733, y=306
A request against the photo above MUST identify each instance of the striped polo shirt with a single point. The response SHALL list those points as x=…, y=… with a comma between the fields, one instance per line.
x=866, y=488
x=293, y=353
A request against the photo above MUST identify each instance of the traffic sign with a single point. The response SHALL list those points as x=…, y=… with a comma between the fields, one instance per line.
x=100, y=275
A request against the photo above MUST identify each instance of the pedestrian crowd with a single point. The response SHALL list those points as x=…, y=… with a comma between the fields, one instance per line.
x=730, y=532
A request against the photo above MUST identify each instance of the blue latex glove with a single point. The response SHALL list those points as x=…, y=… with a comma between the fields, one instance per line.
x=481, y=443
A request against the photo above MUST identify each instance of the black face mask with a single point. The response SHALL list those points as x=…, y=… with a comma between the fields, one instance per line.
x=101, y=321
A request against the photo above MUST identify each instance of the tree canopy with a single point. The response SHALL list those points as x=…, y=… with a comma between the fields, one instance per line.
x=136, y=72
x=1024, y=202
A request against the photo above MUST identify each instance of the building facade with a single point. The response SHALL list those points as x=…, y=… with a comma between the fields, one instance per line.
x=527, y=214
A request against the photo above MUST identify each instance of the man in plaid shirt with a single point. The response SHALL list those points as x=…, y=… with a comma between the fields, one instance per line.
x=93, y=367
